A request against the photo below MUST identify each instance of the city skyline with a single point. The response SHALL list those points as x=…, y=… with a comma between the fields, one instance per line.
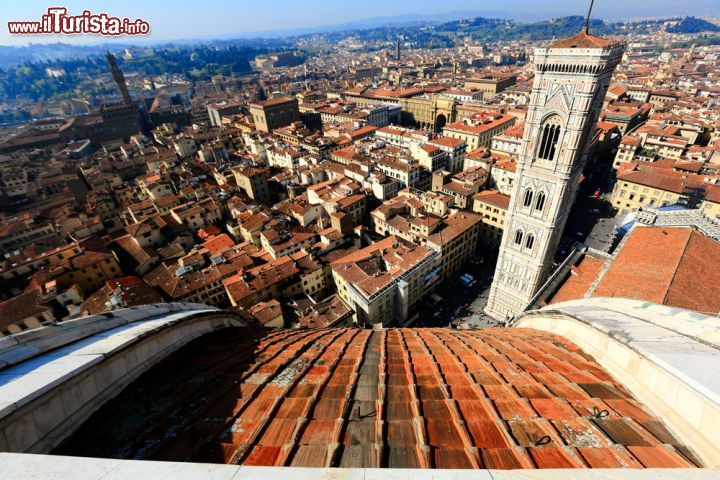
x=174, y=24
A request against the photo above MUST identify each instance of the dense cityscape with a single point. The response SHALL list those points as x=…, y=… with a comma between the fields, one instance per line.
x=419, y=229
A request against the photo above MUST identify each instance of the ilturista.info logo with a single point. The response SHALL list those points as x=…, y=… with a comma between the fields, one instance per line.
x=57, y=22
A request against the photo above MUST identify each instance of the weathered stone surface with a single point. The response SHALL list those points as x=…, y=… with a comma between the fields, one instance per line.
x=25, y=466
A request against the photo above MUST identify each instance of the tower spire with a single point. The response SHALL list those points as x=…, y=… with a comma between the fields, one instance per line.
x=587, y=20
x=119, y=79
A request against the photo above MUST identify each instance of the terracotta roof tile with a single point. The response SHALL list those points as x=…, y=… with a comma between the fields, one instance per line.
x=556, y=457
x=264, y=456
x=497, y=398
x=453, y=458
x=311, y=456
x=404, y=457
x=505, y=458
x=489, y=434
x=320, y=432
x=553, y=408
x=659, y=456
x=610, y=457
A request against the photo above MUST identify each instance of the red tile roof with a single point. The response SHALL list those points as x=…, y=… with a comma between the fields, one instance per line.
x=583, y=40
x=493, y=197
x=428, y=398
x=488, y=124
x=21, y=307
x=579, y=281
x=218, y=243
x=377, y=265
x=676, y=266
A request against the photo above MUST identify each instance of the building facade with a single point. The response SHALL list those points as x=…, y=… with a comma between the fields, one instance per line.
x=490, y=85
x=571, y=79
x=493, y=207
x=479, y=131
x=643, y=185
x=275, y=113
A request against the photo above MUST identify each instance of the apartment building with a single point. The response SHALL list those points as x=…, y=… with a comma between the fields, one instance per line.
x=19, y=232
x=89, y=269
x=384, y=282
x=23, y=312
x=462, y=186
x=492, y=206
x=15, y=265
x=253, y=181
x=379, y=115
x=343, y=200
x=279, y=242
x=454, y=236
x=629, y=146
x=197, y=215
x=490, y=85
x=478, y=130
x=508, y=142
x=273, y=280
x=455, y=148
x=408, y=172
x=658, y=184
x=198, y=276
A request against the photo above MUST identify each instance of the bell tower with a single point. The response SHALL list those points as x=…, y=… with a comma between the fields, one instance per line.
x=119, y=78
x=572, y=76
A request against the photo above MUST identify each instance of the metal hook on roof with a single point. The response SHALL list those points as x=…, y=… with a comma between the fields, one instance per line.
x=598, y=414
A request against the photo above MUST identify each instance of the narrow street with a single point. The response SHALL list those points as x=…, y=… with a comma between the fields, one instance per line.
x=591, y=220
x=459, y=302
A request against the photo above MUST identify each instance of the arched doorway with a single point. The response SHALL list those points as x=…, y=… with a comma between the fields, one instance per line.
x=440, y=122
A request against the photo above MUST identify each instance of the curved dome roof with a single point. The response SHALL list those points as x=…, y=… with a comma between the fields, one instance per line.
x=399, y=398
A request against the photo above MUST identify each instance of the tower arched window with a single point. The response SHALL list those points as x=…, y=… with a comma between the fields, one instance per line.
x=530, y=241
x=540, y=201
x=527, y=201
x=549, y=136
x=518, y=237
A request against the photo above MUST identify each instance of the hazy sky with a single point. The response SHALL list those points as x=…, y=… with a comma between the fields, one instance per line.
x=178, y=19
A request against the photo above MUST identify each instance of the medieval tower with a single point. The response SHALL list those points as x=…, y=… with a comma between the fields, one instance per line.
x=571, y=79
x=119, y=78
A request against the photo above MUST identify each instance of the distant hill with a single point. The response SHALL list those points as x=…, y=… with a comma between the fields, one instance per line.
x=693, y=25
x=402, y=21
x=498, y=29
x=40, y=53
x=504, y=30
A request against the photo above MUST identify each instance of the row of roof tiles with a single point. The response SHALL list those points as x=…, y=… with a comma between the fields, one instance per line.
x=398, y=398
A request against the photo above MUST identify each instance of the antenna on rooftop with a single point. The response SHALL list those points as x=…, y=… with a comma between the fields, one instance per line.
x=587, y=20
